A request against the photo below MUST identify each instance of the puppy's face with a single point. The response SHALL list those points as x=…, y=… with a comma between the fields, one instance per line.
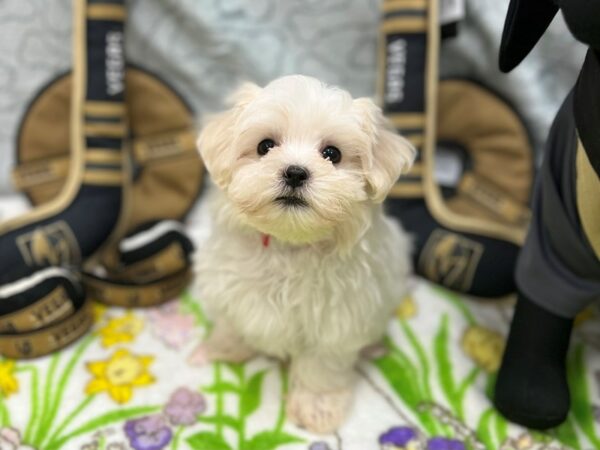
x=297, y=159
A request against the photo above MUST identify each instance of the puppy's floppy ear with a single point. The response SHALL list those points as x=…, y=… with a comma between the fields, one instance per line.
x=389, y=154
x=215, y=142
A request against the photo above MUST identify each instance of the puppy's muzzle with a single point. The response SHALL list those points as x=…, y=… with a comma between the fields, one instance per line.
x=295, y=176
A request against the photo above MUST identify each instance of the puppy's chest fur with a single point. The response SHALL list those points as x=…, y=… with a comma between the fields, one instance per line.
x=284, y=300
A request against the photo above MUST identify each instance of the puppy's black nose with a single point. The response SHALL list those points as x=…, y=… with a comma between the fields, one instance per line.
x=295, y=176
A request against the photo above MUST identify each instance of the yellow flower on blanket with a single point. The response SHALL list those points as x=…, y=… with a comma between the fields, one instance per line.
x=98, y=310
x=121, y=330
x=119, y=375
x=525, y=442
x=407, y=308
x=484, y=346
x=585, y=315
x=8, y=382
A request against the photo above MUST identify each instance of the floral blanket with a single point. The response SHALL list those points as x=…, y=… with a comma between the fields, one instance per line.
x=127, y=385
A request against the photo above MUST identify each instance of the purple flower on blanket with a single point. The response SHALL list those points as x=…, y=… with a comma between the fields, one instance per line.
x=398, y=438
x=184, y=407
x=148, y=433
x=172, y=327
x=440, y=443
x=320, y=445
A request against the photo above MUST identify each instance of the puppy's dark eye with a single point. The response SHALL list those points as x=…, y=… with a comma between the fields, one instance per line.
x=332, y=153
x=264, y=146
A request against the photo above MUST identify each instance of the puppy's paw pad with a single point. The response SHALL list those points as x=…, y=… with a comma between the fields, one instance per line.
x=374, y=351
x=199, y=356
x=223, y=351
x=321, y=413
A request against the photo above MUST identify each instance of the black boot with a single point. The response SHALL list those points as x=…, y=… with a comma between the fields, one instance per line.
x=531, y=388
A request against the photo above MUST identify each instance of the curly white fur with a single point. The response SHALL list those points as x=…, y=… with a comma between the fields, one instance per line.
x=333, y=270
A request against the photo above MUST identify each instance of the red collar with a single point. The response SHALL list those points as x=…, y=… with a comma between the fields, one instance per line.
x=266, y=240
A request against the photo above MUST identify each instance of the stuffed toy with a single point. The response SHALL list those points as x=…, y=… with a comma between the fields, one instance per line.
x=106, y=154
x=558, y=268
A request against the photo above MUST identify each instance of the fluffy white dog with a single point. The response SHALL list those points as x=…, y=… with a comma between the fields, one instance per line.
x=302, y=263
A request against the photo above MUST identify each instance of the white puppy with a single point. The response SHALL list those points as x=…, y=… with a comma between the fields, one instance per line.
x=302, y=263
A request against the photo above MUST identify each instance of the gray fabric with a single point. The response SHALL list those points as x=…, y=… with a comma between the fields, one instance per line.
x=557, y=269
x=205, y=47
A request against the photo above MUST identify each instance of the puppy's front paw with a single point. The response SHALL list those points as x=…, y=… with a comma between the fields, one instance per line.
x=318, y=412
x=199, y=356
x=224, y=349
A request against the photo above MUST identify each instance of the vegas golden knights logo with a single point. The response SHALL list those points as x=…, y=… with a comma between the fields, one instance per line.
x=52, y=244
x=450, y=259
